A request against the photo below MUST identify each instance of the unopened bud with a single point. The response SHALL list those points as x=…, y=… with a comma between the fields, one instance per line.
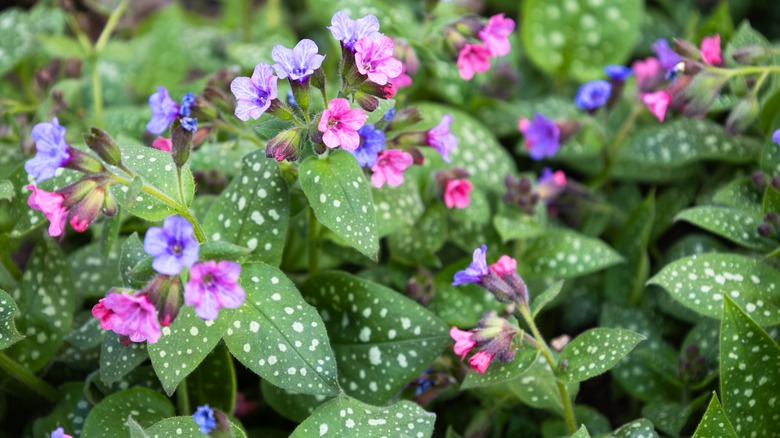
x=686, y=49
x=701, y=93
x=567, y=128
x=765, y=230
x=318, y=79
x=109, y=205
x=366, y=101
x=74, y=193
x=285, y=146
x=759, y=180
x=103, y=145
x=302, y=92
x=280, y=110
x=86, y=211
x=750, y=54
x=181, y=142
x=83, y=162
x=776, y=182
x=404, y=118
x=742, y=115
x=203, y=109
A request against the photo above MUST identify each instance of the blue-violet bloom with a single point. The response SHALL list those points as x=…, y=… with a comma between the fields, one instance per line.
x=372, y=142
x=666, y=56
x=291, y=98
x=173, y=246
x=51, y=150
x=618, y=73
x=776, y=137
x=189, y=123
x=185, y=109
x=542, y=136
x=59, y=433
x=349, y=31
x=164, y=111
x=441, y=139
x=297, y=63
x=254, y=95
x=389, y=115
x=592, y=95
x=204, y=417
x=476, y=270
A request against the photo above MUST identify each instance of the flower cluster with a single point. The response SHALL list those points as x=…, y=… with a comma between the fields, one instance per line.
x=494, y=339
x=165, y=111
x=474, y=57
x=501, y=278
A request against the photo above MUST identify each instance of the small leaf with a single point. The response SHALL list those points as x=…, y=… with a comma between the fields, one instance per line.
x=641, y=428
x=9, y=335
x=117, y=360
x=714, y=422
x=730, y=223
x=109, y=417
x=582, y=432
x=545, y=297
x=499, y=372
x=566, y=254
x=596, y=351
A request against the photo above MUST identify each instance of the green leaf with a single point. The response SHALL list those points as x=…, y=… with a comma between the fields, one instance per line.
x=225, y=157
x=18, y=30
x=771, y=201
x=565, y=254
x=749, y=377
x=582, y=432
x=296, y=407
x=626, y=282
x=336, y=182
x=6, y=190
x=253, y=211
x=132, y=254
x=568, y=37
x=60, y=46
x=157, y=170
x=397, y=207
x=668, y=416
x=184, y=344
x=136, y=431
x=545, y=297
x=381, y=339
x=515, y=225
x=94, y=273
x=46, y=304
x=214, y=381
x=109, y=417
x=70, y=412
x=770, y=158
x=418, y=245
x=88, y=336
x=730, y=223
x=9, y=335
x=700, y=282
x=280, y=337
x=641, y=428
x=538, y=387
x=187, y=428
x=117, y=360
x=596, y=351
x=345, y=416
x=714, y=422
x=741, y=194
x=499, y=372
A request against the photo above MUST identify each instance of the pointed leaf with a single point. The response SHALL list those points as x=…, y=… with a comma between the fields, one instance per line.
x=186, y=427
x=117, y=360
x=417, y=245
x=132, y=254
x=297, y=407
x=545, y=297
x=714, y=422
x=596, y=351
x=566, y=254
x=94, y=273
x=9, y=335
x=733, y=224
x=641, y=428
x=109, y=417
x=499, y=372
x=538, y=387
x=397, y=207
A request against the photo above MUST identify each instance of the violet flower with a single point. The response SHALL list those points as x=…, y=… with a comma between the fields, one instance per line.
x=441, y=139
x=475, y=271
x=666, y=56
x=51, y=150
x=350, y=31
x=297, y=63
x=213, y=285
x=164, y=111
x=173, y=246
x=204, y=417
x=542, y=136
x=593, y=95
x=254, y=95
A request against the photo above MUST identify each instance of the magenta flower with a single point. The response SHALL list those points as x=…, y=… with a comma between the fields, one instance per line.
x=130, y=315
x=212, y=286
x=550, y=184
x=480, y=361
x=162, y=144
x=87, y=210
x=473, y=58
x=164, y=111
x=710, y=50
x=494, y=34
x=254, y=95
x=648, y=73
x=542, y=136
x=504, y=266
x=296, y=63
x=475, y=271
x=173, y=246
x=441, y=139
x=657, y=103
x=463, y=341
x=339, y=125
x=389, y=168
x=51, y=151
x=350, y=31
x=374, y=58
x=402, y=80
x=50, y=204
x=456, y=193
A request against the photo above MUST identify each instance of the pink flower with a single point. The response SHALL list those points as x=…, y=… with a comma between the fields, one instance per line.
x=647, y=73
x=374, y=58
x=710, y=50
x=402, y=80
x=212, y=286
x=50, y=204
x=339, y=125
x=480, y=362
x=389, y=168
x=473, y=58
x=504, y=266
x=657, y=103
x=495, y=34
x=129, y=315
x=162, y=144
x=456, y=193
x=463, y=341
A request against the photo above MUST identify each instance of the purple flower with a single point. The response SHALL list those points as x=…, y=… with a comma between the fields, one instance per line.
x=59, y=433
x=666, y=56
x=350, y=31
x=296, y=63
x=389, y=115
x=776, y=137
x=542, y=136
x=374, y=58
x=212, y=286
x=618, y=73
x=441, y=139
x=204, y=417
x=173, y=246
x=51, y=150
x=164, y=111
x=185, y=109
x=189, y=123
x=593, y=95
x=254, y=95
x=476, y=270
x=372, y=142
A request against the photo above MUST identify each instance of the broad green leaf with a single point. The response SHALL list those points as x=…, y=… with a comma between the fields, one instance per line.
x=596, y=351
x=571, y=37
x=136, y=431
x=538, y=387
x=625, y=282
x=499, y=372
x=109, y=417
x=24, y=219
x=60, y=46
x=253, y=211
x=93, y=273
x=70, y=412
x=46, y=304
x=667, y=204
x=117, y=359
x=279, y=336
x=214, y=381
x=700, y=282
x=381, y=339
x=6, y=190
x=641, y=428
x=297, y=407
x=541, y=300
x=468, y=235
x=714, y=422
x=565, y=254
x=88, y=336
x=417, y=245
x=18, y=31
x=158, y=55
x=157, y=170
x=132, y=253
x=226, y=157
x=397, y=207
x=339, y=194
x=749, y=377
x=477, y=211
x=668, y=416
x=730, y=223
x=184, y=344
x=515, y=225
x=740, y=194
x=345, y=417
x=9, y=335
x=186, y=427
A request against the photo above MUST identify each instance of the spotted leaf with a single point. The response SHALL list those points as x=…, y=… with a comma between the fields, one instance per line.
x=596, y=351
x=117, y=360
x=733, y=224
x=297, y=407
x=538, y=388
x=344, y=416
x=714, y=422
x=280, y=337
x=626, y=281
x=417, y=245
x=253, y=211
x=382, y=339
x=499, y=372
x=226, y=157
x=9, y=335
x=701, y=281
x=132, y=253
x=566, y=254
x=109, y=417
x=70, y=412
x=93, y=273
x=538, y=303
x=339, y=194
x=397, y=207
x=187, y=428
x=641, y=428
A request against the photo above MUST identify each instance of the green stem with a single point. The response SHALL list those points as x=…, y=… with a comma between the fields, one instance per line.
x=183, y=398
x=611, y=150
x=32, y=381
x=313, y=242
x=113, y=20
x=8, y=263
x=97, y=92
x=181, y=188
x=324, y=96
x=759, y=83
x=239, y=132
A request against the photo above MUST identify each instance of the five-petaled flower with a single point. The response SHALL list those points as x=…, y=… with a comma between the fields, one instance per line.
x=495, y=34
x=374, y=58
x=473, y=58
x=339, y=125
x=50, y=204
x=480, y=361
x=542, y=136
x=51, y=150
x=254, y=95
x=389, y=168
x=441, y=139
x=372, y=142
x=349, y=31
x=173, y=246
x=213, y=285
x=475, y=271
x=204, y=417
x=127, y=314
x=297, y=63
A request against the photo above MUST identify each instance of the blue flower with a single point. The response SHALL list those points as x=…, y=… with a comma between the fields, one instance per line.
x=185, y=109
x=189, y=123
x=776, y=137
x=204, y=417
x=389, y=115
x=618, y=73
x=372, y=142
x=593, y=95
x=476, y=270
x=164, y=111
x=51, y=150
x=291, y=98
x=59, y=433
x=350, y=31
x=666, y=56
x=297, y=63
x=542, y=137
x=173, y=246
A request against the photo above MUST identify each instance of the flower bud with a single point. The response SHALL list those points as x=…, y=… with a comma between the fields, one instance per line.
x=386, y=91
x=285, y=146
x=203, y=109
x=181, y=142
x=103, y=145
x=302, y=92
x=404, y=118
x=765, y=230
x=318, y=79
x=750, y=54
x=164, y=292
x=567, y=128
x=280, y=110
x=109, y=205
x=699, y=95
x=421, y=286
x=366, y=101
x=86, y=211
x=742, y=115
x=686, y=49
x=74, y=193
x=83, y=162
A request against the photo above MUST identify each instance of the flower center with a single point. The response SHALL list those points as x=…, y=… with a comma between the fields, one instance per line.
x=333, y=123
x=176, y=248
x=262, y=98
x=208, y=280
x=299, y=71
